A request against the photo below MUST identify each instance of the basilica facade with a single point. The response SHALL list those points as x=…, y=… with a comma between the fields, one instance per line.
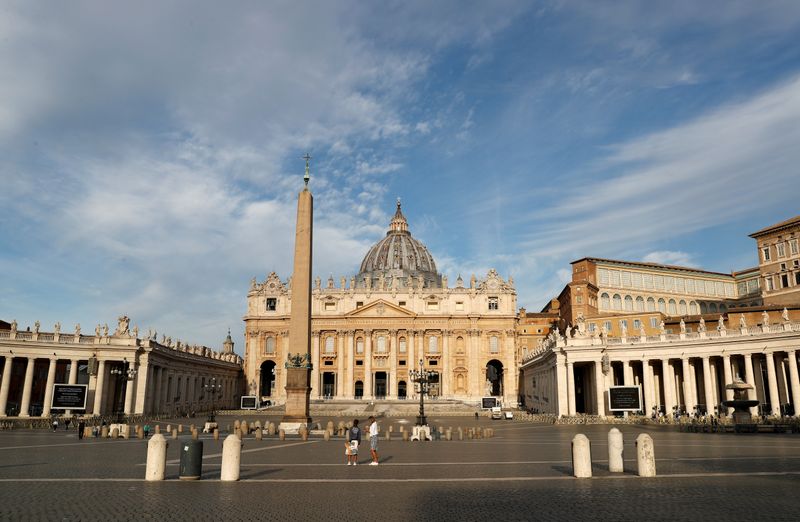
x=396, y=314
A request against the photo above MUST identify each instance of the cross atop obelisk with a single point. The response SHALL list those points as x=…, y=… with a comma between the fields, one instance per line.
x=298, y=363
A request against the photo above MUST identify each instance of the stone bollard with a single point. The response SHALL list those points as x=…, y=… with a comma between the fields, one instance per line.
x=195, y=435
x=341, y=432
x=282, y=435
x=87, y=433
x=115, y=433
x=615, y=460
x=169, y=428
x=340, y=425
x=448, y=434
x=104, y=432
x=216, y=434
x=158, y=429
x=304, y=434
x=327, y=435
x=259, y=434
x=174, y=434
x=257, y=425
x=271, y=429
x=645, y=455
x=156, y=458
x=402, y=429
x=329, y=426
x=388, y=435
x=231, y=458
x=180, y=428
x=581, y=456
x=405, y=436
x=244, y=428
x=460, y=433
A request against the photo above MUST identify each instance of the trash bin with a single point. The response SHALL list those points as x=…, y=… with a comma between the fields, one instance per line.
x=191, y=460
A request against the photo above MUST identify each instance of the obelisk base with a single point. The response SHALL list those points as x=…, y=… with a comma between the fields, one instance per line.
x=298, y=394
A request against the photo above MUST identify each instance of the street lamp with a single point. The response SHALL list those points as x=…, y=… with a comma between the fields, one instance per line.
x=127, y=373
x=213, y=388
x=423, y=379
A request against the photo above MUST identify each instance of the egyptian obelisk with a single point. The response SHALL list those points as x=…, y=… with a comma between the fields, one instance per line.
x=298, y=364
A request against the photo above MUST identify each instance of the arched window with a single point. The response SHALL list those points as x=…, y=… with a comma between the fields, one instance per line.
x=270, y=348
x=712, y=307
x=433, y=344
x=723, y=308
x=494, y=345
x=693, y=308
x=605, y=302
x=662, y=306
x=673, y=309
x=381, y=344
x=459, y=344
x=651, y=304
x=617, y=302
x=359, y=345
x=640, y=304
x=682, y=307
x=628, y=303
x=329, y=344
x=402, y=343
x=703, y=308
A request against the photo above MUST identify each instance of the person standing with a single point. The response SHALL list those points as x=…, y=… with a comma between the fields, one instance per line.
x=55, y=423
x=353, y=438
x=81, y=428
x=373, y=440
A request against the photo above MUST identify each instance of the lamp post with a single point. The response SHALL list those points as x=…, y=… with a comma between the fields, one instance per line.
x=423, y=378
x=213, y=388
x=127, y=373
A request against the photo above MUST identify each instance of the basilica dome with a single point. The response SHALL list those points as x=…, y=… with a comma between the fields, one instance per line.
x=398, y=256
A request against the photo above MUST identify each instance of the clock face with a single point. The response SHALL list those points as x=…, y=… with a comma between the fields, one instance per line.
x=493, y=284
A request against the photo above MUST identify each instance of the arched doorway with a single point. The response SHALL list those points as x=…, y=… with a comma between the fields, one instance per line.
x=328, y=384
x=359, y=392
x=267, y=386
x=494, y=378
x=401, y=390
x=380, y=385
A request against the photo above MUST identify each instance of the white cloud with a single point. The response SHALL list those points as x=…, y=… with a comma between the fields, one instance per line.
x=669, y=257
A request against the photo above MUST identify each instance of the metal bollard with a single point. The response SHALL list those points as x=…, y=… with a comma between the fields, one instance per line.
x=231, y=458
x=191, y=467
x=156, y=458
x=615, y=446
x=645, y=455
x=581, y=456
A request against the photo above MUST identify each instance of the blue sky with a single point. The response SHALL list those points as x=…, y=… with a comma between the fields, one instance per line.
x=151, y=152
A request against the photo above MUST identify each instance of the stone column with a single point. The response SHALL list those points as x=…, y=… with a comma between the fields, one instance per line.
x=157, y=376
x=394, y=353
x=794, y=381
x=750, y=379
x=27, y=388
x=726, y=374
x=562, y=386
x=6, y=384
x=774, y=399
x=129, y=393
x=647, y=387
x=669, y=385
x=411, y=361
x=688, y=386
x=72, y=379
x=100, y=390
x=145, y=380
x=570, y=389
x=446, y=391
x=709, y=394
x=368, y=391
x=350, y=367
x=600, y=387
x=627, y=373
x=315, y=381
x=340, y=361
x=48, y=391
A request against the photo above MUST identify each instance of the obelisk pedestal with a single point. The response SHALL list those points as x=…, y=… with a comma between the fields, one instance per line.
x=298, y=364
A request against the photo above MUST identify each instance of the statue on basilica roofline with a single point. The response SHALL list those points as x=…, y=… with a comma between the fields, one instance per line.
x=702, y=326
x=721, y=323
x=764, y=318
x=36, y=327
x=785, y=314
x=742, y=322
x=683, y=326
x=78, y=330
x=14, y=325
x=57, y=328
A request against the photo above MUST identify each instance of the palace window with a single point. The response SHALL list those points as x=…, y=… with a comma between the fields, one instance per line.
x=662, y=306
x=659, y=282
x=494, y=344
x=648, y=281
x=797, y=278
x=690, y=286
x=623, y=323
x=615, y=278
x=693, y=308
x=607, y=324
x=628, y=303
x=765, y=253
x=793, y=247
x=433, y=344
x=494, y=303
x=784, y=280
x=592, y=327
x=651, y=304
x=640, y=304
x=329, y=344
x=578, y=299
x=330, y=306
x=654, y=322
x=673, y=309
x=637, y=324
x=402, y=344
x=603, y=275
x=270, y=347
x=626, y=278
x=272, y=304
x=637, y=280
x=781, y=248
x=401, y=303
x=605, y=302
x=360, y=346
x=617, y=302
x=682, y=307
x=359, y=304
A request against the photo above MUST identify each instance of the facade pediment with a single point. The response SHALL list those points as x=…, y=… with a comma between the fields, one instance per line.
x=381, y=308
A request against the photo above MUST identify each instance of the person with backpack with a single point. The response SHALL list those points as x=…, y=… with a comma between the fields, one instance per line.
x=353, y=440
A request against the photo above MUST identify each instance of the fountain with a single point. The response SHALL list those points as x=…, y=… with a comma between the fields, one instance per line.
x=742, y=419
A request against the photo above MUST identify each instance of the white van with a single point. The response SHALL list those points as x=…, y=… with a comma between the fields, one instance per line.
x=497, y=413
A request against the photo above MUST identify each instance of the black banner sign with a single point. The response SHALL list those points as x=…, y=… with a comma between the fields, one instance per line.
x=69, y=396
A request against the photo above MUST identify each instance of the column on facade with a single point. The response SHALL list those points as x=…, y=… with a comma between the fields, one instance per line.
x=130, y=390
x=709, y=395
x=157, y=376
x=48, y=391
x=774, y=399
x=394, y=350
x=727, y=376
x=510, y=381
x=72, y=378
x=668, y=382
x=368, y=391
x=5, y=385
x=411, y=361
x=340, y=359
x=27, y=388
x=99, y=393
x=794, y=381
x=562, y=395
x=144, y=378
x=315, y=362
x=750, y=379
x=600, y=387
x=714, y=385
x=446, y=373
x=351, y=364
x=688, y=386
x=647, y=387
x=570, y=388
x=627, y=373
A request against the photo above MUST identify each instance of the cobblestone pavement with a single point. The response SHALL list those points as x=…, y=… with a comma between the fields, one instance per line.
x=523, y=473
